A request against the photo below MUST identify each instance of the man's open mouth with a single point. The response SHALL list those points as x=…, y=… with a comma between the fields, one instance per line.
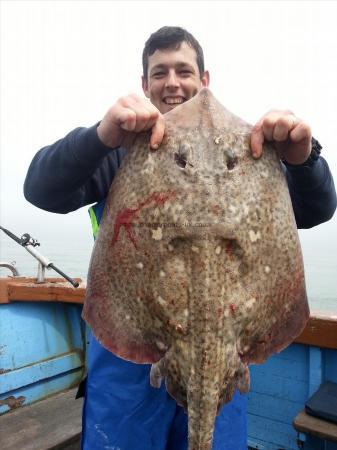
x=173, y=100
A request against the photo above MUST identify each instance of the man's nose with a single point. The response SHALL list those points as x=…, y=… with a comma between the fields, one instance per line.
x=172, y=79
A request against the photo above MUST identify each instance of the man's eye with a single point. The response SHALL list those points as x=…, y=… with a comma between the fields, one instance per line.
x=185, y=72
x=158, y=74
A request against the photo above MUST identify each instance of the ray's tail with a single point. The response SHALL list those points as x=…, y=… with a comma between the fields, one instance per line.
x=202, y=400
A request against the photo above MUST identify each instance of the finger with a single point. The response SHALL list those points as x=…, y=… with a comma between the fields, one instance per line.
x=144, y=119
x=157, y=134
x=256, y=140
x=136, y=119
x=146, y=114
x=268, y=125
x=127, y=119
x=283, y=127
x=141, y=109
x=301, y=132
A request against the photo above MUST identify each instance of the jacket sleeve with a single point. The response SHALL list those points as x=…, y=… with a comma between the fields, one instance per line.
x=312, y=193
x=73, y=172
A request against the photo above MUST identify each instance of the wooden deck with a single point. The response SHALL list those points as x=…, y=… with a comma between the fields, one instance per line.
x=50, y=424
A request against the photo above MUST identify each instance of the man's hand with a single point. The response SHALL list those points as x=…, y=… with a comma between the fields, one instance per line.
x=130, y=115
x=290, y=135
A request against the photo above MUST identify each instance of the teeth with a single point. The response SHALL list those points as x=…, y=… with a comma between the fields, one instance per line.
x=173, y=101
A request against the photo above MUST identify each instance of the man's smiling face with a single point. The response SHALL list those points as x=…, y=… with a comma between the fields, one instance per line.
x=173, y=77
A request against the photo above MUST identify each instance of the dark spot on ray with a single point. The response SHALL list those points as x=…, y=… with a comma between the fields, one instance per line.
x=232, y=248
x=243, y=269
x=178, y=242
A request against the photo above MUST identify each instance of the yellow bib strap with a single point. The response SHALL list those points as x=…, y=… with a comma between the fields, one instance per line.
x=94, y=223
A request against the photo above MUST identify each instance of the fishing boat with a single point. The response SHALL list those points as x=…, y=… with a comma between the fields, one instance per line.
x=43, y=348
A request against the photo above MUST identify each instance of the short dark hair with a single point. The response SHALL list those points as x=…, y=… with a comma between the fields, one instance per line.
x=171, y=37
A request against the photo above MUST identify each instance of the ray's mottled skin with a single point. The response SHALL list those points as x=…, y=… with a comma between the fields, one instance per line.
x=197, y=267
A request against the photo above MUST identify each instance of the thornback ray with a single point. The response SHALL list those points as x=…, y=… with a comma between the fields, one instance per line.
x=197, y=266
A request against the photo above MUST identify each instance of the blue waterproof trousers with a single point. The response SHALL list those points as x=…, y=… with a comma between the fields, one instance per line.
x=123, y=412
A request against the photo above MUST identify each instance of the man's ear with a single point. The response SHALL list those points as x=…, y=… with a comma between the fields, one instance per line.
x=145, y=87
x=205, y=79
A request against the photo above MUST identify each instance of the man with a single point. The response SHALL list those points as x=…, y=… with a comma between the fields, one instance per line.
x=121, y=410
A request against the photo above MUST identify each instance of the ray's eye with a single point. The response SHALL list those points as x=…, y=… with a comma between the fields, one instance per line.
x=231, y=163
x=231, y=160
x=180, y=160
x=183, y=156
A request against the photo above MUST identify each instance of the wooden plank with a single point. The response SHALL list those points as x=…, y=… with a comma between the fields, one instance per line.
x=273, y=435
x=53, y=289
x=4, y=287
x=48, y=424
x=281, y=387
x=320, y=331
x=315, y=426
x=291, y=369
x=40, y=370
x=272, y=407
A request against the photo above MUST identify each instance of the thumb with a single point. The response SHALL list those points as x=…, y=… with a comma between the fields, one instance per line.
x=157, y=132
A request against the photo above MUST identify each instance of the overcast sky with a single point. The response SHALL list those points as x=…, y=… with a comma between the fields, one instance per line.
x=63, y=63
